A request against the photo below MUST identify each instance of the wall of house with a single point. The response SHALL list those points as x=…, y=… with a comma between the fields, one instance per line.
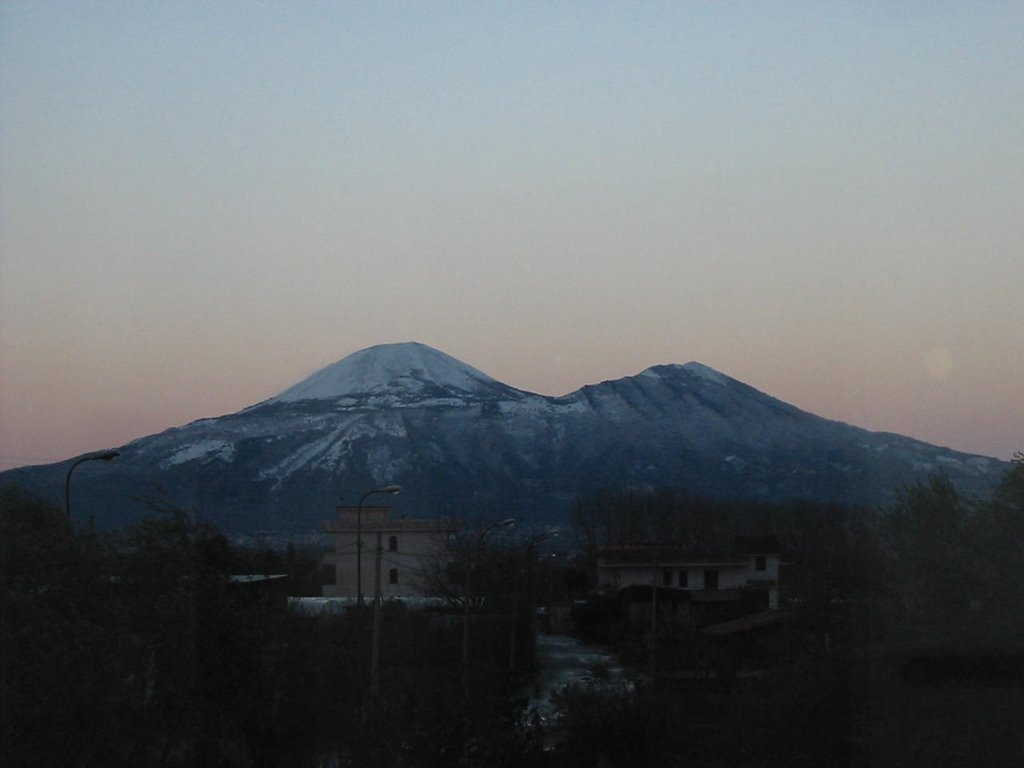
x=770, y=572
x=729, y=576
x=625, y=577
x=416, y=549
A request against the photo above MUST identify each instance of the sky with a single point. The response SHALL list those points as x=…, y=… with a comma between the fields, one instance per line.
x=203, y=203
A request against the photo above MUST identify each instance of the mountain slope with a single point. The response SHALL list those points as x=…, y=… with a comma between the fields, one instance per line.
x=461, y=442
x=401, y=371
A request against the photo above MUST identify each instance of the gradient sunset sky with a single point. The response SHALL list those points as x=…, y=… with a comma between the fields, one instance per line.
x=203, y=203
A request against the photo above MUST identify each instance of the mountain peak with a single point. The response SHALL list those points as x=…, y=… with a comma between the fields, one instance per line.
x=410, y=414
x=408, y=367
x=693, y=368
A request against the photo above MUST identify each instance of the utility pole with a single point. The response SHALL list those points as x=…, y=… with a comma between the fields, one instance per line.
x=478, y=545
x=392, y=489
x=654, y=618
x=526, y=571
x=375, y=645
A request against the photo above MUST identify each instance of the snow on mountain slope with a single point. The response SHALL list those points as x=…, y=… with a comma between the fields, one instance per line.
x=410, y=368
x=462, y=441
x=694, y=368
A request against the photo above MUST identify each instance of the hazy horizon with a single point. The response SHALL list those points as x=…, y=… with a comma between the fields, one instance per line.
x=202, y=205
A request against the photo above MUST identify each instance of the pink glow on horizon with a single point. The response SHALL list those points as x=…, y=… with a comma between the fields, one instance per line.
x=203, y=205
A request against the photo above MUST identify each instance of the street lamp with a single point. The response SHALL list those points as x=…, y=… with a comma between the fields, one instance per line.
x=466, y=599
x=359, y=536
x=101, y=456
x=526, y=567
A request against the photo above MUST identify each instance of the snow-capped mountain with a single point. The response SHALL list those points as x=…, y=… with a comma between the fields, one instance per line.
x=460, y=442
x=395, y=373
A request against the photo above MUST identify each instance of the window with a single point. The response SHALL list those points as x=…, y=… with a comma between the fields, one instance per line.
x=666, y=578
x=684, y=578
x=710, y=579
x=393, y=576
x=392, y=544
x=760, y=563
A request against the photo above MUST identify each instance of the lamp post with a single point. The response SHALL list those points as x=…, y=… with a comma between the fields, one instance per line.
x=101, y=456
x=359, y=536
x=478, y=544
x=525, y=568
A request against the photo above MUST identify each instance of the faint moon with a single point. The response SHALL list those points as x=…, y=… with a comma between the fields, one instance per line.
x=938, y=362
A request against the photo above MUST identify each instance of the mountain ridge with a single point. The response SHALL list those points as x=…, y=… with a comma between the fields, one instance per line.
x=460, y=441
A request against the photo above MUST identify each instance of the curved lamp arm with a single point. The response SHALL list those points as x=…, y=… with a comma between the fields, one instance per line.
x=102, y=456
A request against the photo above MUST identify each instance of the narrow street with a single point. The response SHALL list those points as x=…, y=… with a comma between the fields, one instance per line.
x=562, y=660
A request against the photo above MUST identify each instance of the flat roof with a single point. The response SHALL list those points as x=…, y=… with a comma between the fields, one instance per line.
x=434, y=525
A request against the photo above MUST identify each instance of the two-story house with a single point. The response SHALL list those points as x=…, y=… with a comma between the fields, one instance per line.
x=752, y=564
x=407, y=546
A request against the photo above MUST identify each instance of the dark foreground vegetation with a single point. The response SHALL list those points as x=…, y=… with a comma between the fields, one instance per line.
x=902, y=641
x=139, y=650
x=902, y=644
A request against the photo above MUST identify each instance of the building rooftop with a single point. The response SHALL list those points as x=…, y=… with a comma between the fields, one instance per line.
x=648, y=555
x=658, y=554
x=437, y=525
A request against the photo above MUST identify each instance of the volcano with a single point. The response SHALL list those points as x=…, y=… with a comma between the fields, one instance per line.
x=462, y=443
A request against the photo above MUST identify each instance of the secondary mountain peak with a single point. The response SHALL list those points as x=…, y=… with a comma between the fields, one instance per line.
x=461, y=441
x=698, y=370
x=406, y=367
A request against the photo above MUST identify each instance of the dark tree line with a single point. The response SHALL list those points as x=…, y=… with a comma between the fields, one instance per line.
x=137, y=649
x=903, y=642
x=133, y=649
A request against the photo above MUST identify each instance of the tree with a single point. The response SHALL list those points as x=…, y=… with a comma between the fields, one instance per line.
x=995, y=543
x=931, y=576
x=60, y=668
x=130, y=649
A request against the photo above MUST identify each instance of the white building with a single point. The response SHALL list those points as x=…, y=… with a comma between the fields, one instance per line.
x=752, y=564
x=406, y=547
